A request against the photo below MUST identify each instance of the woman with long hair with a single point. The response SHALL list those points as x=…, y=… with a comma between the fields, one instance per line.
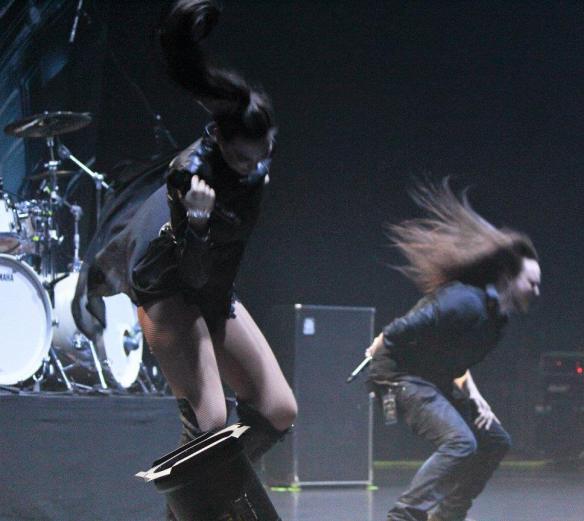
x=178, y=256
x=473, y=276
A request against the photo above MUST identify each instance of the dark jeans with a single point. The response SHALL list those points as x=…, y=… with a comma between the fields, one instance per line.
x=464, y=459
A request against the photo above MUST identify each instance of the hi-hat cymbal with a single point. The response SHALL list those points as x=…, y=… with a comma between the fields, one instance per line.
x=48, y=124
x=47, y=173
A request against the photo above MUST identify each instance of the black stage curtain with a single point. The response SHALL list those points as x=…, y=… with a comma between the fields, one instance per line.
x=72, y=458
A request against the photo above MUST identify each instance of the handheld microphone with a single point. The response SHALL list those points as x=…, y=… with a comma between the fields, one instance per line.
x=366, y=361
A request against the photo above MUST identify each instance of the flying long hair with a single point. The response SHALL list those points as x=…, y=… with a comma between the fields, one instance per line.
x=236, y=107
x=453, y=242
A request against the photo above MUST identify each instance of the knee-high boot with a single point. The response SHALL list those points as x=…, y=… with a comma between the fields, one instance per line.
x=189, y=425
x=211, y=479
x=262, y=436
x=189, y=431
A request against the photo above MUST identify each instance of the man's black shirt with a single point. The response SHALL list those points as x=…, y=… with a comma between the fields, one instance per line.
x=441, y=337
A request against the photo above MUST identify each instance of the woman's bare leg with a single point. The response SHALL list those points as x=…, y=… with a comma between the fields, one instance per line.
x=250, y=368
x=178, y=336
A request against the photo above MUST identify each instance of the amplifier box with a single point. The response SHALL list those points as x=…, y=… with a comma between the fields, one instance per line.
x=331, y=443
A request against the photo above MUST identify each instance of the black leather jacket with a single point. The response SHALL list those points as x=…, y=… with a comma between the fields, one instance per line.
x=144, y=247
x=441, y=337
x=179, y=259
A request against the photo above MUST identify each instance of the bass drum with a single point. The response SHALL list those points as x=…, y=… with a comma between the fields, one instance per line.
x=25, y=321
x=121, y=351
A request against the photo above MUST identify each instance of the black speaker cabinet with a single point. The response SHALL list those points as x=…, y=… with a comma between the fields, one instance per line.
x=318, y=347
x=560, y=416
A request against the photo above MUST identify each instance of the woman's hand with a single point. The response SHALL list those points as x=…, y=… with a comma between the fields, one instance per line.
x=375, y=346
x=199, y=202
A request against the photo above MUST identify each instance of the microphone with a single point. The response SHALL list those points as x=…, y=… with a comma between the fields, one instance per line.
x=366, y=361
x=259, y=173
x=75, y=21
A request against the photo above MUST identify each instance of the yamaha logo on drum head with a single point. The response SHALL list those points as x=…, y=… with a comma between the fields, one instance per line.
x=7, y=277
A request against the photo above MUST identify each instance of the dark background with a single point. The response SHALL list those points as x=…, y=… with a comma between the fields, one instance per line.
x=368, y=94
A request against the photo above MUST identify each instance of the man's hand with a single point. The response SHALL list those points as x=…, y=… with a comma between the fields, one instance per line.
x=486, y=416
x=375, y=346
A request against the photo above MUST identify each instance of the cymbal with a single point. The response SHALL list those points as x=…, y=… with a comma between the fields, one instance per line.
x=48, y=124
x=47, y=173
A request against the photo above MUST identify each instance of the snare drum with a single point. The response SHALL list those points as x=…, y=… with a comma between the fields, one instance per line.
x=9, y=230
x=121, y=351
x=25, y=321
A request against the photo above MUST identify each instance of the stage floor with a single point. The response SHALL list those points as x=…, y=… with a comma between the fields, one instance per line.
x=73, y=458
x=529, y=496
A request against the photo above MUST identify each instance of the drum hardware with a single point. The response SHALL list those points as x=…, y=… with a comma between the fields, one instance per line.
x=9, y=232
x=49, y=239
x=77, y=213
x=67, y=340
x=48, y=124
x=81, y=342
x=10, y=389
x=132, y=339
x=45, y=174
x=144, y=380
x=29, y=231
x=98, y=179
x=114, y=356
x=50, y=363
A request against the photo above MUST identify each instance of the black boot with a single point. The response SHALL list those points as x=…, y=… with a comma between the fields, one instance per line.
x=211, y=479
x=189, y=431
x=261, y=436
x=189, y=425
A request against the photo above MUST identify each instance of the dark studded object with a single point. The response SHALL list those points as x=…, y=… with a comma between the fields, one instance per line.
x=211, y=479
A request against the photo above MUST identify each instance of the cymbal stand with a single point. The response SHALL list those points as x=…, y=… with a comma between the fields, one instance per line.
x=81, y=341
x=50, y=236
x=49, y=270
x=98, y=178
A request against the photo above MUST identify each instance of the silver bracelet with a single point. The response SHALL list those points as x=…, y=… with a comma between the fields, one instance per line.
x=198, y=214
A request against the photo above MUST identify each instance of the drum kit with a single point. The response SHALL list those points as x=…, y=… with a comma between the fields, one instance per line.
x=41, y=343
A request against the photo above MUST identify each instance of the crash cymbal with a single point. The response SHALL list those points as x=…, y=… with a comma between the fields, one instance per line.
x=48, y=124
x=47, y=173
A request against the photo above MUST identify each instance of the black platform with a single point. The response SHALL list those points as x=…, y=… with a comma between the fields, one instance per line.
x=73, y=458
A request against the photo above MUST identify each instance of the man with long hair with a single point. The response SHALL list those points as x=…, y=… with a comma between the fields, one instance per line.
x=473, y=276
